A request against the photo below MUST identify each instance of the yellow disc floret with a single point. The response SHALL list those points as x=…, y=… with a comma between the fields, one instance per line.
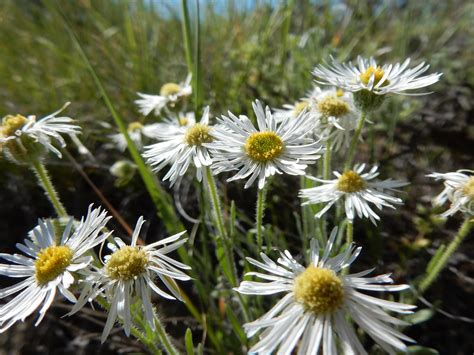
x=468, y=188
x=299, y=107
x=198, y=134
x=350, y=181
x=333, y=106
x=263, y=146
x=183, y=121
x=339, y=92
x=378, y=75
x=170, y=89
x=319, y=290
x=11, y=124
x=135, y=126
x=51, y=262
x=126, y=263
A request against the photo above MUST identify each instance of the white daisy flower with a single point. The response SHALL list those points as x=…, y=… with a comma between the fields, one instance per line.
x=337, y=115
x=458, y=189
x=48, y=265
x=162, y=130
x=181, y=146
x=317, y=302
x=137, y=132
x=357, y=190
x=259, y=153
x=334, y=111
x=293, y=111
x=380, y=80
x=25, y=131
x=170, y=94
x=128, y=275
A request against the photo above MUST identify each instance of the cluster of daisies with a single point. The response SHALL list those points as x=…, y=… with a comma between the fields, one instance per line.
x=56, y=261
x=321, y=301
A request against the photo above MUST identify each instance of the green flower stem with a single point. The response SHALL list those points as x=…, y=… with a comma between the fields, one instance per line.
x=261, y=195
x=46, y=183
x=349, y=233
x=442, y=261
x=170, y=349
x=327, y=161
x=354, y=141
x=227, y=263
x=349, y=239
x=304, y=217
x=326, y=176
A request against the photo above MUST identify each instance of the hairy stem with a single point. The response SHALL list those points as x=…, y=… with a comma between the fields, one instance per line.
x=350, y=233
x=46, y=183
x=222, y=241
x=261, y=195
x=354, y=141
x=327, y=161
x=170, y=349
x=349, y=239
x=442, y=261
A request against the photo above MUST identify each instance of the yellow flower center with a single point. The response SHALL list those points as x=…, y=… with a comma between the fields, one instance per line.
x=377, y=72
x=170, y=89
x=468, y=188
x=339, y=92
x=183, y=121
x=263, y=146
x=198, y=134
x=11, y=124
x=51, y=262
x=350, y=181
x=319, y=290
x=135, y=126
x=333, y=106
x=299, y=107
x=126, y=263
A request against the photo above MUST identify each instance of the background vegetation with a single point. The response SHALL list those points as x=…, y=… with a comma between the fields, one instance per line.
x=262, y=50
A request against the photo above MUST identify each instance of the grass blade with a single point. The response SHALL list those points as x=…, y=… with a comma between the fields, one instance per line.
x=160, y=198
x=186, y=25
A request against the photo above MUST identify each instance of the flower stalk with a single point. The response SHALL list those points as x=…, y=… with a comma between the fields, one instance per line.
x=45, y=182
x=261, y=195
x=222, y=242
x=327, y=161
x=168, y=345
x=354, y=141
x=433, y=274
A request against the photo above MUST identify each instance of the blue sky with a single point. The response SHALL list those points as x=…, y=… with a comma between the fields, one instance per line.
x=163, y=6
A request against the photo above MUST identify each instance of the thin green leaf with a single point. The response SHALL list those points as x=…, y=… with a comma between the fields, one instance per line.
x=198, y=94
x=160, y=198
x=188, y=340
x=186, y=26
x=236, y=325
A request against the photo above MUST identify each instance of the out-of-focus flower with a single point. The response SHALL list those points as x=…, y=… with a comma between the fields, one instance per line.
x=458, y=190
x=170, y=95
x=26, y=138
x=181, y=146
x=357, y=190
